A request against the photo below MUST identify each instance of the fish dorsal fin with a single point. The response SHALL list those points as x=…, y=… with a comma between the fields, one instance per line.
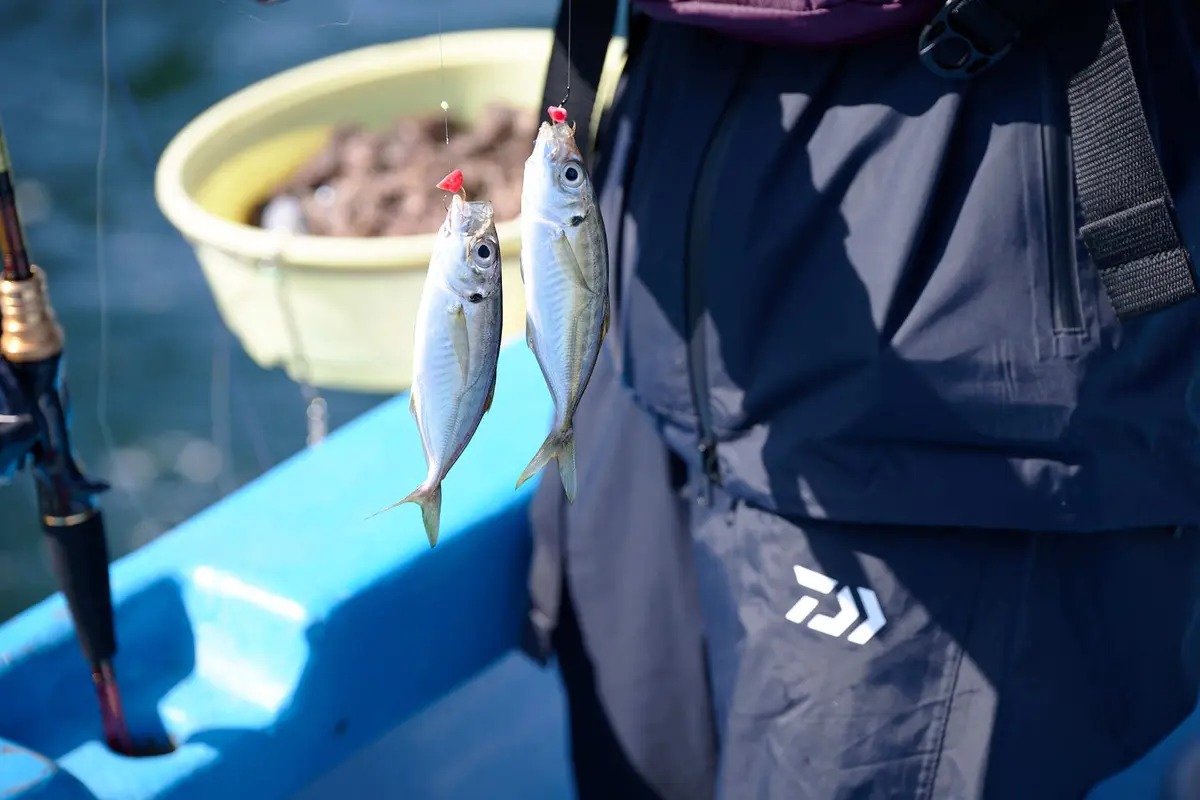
x=491, y=396
x=460, y=340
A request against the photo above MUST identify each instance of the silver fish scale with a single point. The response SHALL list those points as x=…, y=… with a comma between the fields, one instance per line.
x=450, y=408
x=558, y=314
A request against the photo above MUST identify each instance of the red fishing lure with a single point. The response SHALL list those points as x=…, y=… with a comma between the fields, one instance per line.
x=557, y=113
x=452, y=183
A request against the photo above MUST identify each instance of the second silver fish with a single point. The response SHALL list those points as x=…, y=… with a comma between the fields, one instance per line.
x=564, y=266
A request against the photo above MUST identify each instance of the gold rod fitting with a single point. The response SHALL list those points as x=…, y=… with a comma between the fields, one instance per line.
x=29, y=331
x=71, y=520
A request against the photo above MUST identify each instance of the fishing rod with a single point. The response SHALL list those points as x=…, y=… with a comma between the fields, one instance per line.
x=31, y=344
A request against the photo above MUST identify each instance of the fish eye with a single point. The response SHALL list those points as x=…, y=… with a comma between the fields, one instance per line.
x=572, y=174
x=475, y=297
x=484, y=254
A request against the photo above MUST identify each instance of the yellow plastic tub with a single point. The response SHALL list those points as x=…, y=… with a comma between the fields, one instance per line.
x=338, y=312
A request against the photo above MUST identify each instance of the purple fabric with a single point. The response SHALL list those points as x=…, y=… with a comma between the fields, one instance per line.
x=797, y=22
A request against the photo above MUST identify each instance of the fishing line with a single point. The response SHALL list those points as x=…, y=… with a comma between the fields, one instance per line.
x=442, y=73
x=258, y=443
x=567, y=95
x=247, y=14
x=221, y=409
x=101, y=278
x=349, y=17
x=344, y=23
x=452, y=183
x=103, y=365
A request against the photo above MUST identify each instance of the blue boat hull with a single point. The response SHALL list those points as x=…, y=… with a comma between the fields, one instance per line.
x=279, y=633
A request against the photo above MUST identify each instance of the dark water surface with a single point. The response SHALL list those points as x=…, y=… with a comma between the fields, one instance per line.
x=191, y=417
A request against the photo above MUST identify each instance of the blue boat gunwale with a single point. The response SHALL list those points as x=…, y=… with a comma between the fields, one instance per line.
x=271, y=659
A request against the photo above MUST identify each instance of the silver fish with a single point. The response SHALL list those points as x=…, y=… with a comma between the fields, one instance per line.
x=564, y=266
x=457, y=345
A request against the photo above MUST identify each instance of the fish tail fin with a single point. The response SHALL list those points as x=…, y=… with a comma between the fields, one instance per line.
x=430, y=501
x=566, y=465
x=559, y=445
x=431, y=512
x=540, y=459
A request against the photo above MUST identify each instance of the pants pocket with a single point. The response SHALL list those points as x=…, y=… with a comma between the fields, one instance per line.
x=836, y=658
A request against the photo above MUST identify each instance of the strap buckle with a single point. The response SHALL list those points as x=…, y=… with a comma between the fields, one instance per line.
x=964, y=39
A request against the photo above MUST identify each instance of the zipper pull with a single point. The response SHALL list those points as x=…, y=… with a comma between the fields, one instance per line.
x=710, y=473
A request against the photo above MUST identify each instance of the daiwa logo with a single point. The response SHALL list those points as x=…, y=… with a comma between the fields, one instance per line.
x=847, y=614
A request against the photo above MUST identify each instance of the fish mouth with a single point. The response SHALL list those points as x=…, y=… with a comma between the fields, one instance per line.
x=543, y=145
x=555, y=142
x=470, y=216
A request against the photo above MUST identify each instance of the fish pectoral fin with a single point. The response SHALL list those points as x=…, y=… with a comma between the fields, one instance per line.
x=412, y=403
x=607, y=314
x=565, y=255
x=529, y=338
x=460, y=340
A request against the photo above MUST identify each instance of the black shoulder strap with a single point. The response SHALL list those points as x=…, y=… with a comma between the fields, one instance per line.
x=584, y=29
x=1129, y=228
